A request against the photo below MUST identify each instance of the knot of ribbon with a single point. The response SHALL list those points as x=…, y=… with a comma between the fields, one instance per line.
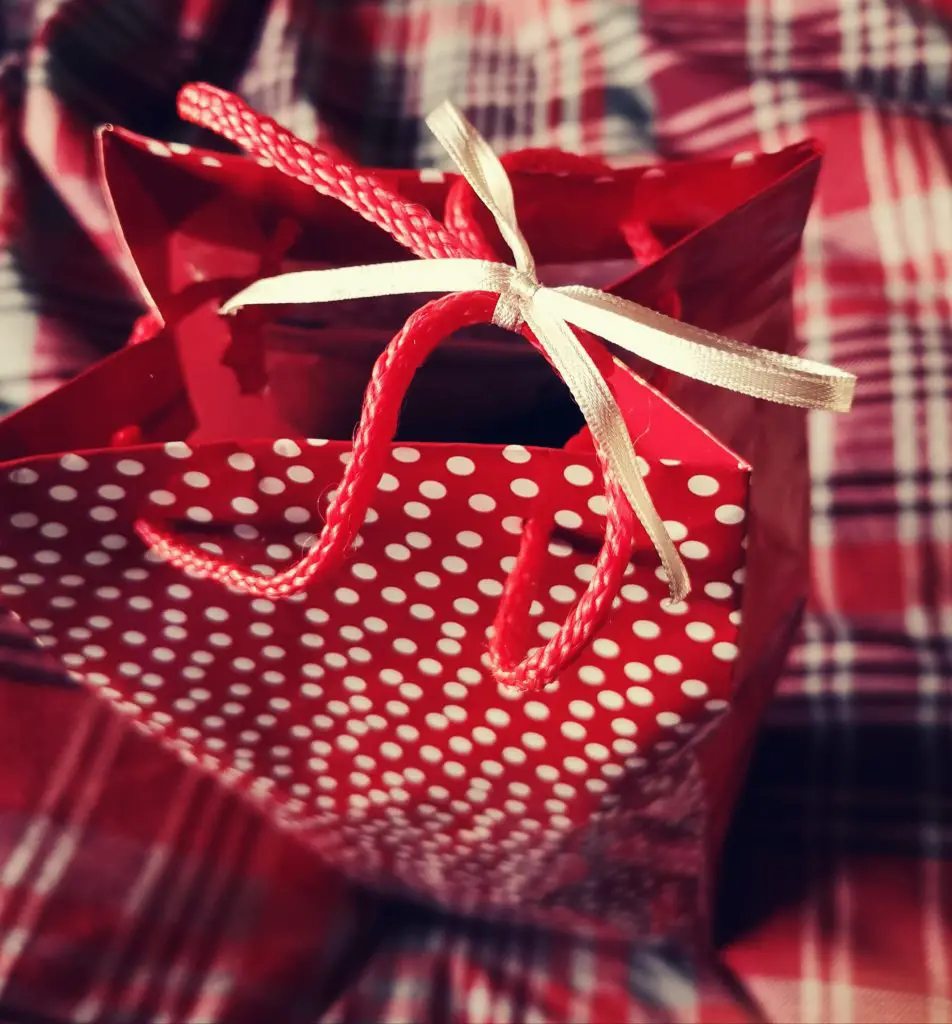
x=548, y=312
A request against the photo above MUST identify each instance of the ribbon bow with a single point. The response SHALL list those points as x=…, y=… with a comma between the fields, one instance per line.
x=549, y=311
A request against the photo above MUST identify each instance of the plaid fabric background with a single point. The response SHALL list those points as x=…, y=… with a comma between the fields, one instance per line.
x=838, y=891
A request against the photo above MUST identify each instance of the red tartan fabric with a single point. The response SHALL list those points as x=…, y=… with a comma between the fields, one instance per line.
x=133, y=890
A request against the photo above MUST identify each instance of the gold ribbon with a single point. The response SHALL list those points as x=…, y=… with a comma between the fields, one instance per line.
x=548, y=312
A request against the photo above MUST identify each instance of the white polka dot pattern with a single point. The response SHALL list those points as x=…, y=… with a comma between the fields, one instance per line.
x=362, y=714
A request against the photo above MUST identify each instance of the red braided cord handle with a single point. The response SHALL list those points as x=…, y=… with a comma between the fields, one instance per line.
x=391, y=376
x=410, y=224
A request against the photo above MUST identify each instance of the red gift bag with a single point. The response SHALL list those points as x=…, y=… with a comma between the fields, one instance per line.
x=452, y=666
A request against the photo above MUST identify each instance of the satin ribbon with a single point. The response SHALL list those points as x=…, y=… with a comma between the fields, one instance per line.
x=548, y=312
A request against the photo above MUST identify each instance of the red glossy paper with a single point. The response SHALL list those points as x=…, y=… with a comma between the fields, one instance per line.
x=362, y=715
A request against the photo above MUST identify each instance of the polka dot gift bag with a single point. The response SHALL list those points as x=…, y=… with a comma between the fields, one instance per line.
x=517, y=679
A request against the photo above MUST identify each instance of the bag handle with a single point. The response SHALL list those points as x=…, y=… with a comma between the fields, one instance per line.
x=409, y=223
x=543, y=315
x=391, y=376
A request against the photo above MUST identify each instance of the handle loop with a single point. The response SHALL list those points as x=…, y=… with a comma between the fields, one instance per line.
x=390, y=379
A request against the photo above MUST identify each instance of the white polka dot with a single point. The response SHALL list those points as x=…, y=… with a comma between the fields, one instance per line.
x=694, y=549
x=459, y=465
x=497, y=717
x=162, y=498
x=482, y=503
x=610, y=700
x=198, y=514
x=491, y=588
x=454, y=564
x=435, y=721
x=512, y=524
x=130, y=467
x=573, y=731
x=699, y=631
x=484, y=736
x=516, y=453
x=729, y=515
x=585, y=572
x=668, y=664
x=575, y=765
x=560, y=548
x=668, y=719
x=245, y=506
x=271, y=485
x=605, y=648
x=428, y=580
x=63, y=493
x=286, y=447
x=418, y=540
x=300, y=474
x=177, y=450
x=193, y=479
x=74, y=463
x=645, y=629
x=406, y=455
x=469, y=539
x=633, y=592
x=514, y=755
x=676, y=531
x=702, y=485
x=592, y=675
x=694, y=688
x=581, y=709
x=640, y=696
x=567, y=519
x=432, y=489
x=724, y=651
x=524, y=487
x=599, y=505
x=718, y=591
x=562, y=594
x=597, y=752
x=241, y=461
x=580, y=476
x=363, y=571
x=416, y=510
